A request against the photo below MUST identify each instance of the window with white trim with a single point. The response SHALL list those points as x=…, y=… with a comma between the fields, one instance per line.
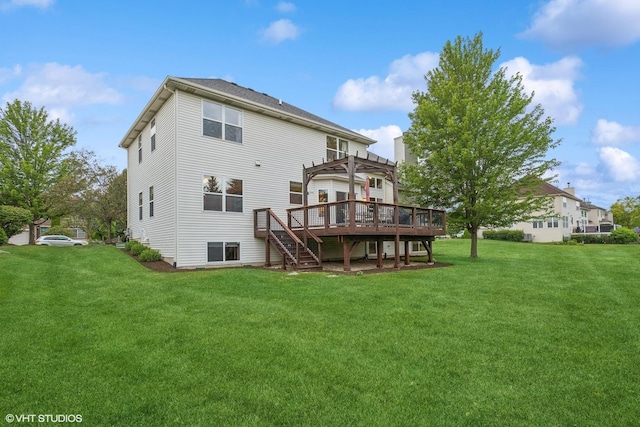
x=140, y=148
x=223, y=251
x=538, y=223
x=565, y=222
x=222, y=194
x=337, y=148
x=564, y=202
x=153, y=134
x=221, y=122
x=375, y=182
x=295, y=193
x=552, y=222
x=150, y=201
x=140, y=206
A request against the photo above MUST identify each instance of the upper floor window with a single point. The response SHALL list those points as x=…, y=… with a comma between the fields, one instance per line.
x=139, y=148
x=222, y=194
x=150, y=201
x=153, y=134
x=564, y=202
x=295, y=193
x=337, y=148
x=375, y=182
x=221, y=122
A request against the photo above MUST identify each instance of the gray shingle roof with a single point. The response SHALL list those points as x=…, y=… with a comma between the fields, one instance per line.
x=260, y=98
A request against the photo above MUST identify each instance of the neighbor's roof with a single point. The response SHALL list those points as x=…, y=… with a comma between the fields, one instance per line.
x=547, y=189
x=241, y=97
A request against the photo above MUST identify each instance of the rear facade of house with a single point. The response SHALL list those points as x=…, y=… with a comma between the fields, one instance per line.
x=204, y=153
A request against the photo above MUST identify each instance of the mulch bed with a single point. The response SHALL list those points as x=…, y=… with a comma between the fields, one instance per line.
x=357, y=266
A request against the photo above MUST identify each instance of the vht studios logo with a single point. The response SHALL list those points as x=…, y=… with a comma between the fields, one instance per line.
x=43, y=418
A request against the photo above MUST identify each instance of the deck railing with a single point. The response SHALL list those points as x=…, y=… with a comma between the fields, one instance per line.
x=355, y=214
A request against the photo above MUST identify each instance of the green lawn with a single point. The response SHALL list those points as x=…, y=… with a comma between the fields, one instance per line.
x=537, y=335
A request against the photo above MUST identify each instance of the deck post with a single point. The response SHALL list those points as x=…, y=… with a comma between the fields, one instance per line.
x=267, y=252
x=267, y=241
x=346, y=253
x=379, y=248
x=407, y=258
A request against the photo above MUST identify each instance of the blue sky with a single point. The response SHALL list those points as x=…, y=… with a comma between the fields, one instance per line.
x=95, y=64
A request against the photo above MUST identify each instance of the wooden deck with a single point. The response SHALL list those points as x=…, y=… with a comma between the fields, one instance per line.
x=355, y=221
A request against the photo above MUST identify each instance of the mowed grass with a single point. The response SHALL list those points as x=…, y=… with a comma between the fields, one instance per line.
x=528, y=335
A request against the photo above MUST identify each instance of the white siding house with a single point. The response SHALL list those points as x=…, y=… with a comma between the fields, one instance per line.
x=204, y=153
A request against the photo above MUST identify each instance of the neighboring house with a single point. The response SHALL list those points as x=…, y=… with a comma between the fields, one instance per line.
x=41, y=228
x=568, y=215
x=204, y=154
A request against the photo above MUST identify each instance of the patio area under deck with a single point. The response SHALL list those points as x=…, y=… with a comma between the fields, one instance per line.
x=354, y=221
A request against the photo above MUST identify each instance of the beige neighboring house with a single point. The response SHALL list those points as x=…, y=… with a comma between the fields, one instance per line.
x=568, y=215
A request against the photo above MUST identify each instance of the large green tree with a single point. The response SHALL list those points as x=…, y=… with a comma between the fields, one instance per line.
x=626, y=212
x=481, y=144
x=32, y=158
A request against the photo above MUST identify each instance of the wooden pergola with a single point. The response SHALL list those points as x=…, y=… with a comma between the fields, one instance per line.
x=350, y=166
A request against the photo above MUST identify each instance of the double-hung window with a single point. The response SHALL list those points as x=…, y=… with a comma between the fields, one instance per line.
x=139, y=148
x=295, y=193
x=150, y=201
x=337, y=148
x=221, y=122
x=222, y=194
x=538, y=223
x=153, y=134
x=140, y=206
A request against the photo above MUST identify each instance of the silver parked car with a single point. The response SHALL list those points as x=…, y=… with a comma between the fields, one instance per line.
x=54, y=240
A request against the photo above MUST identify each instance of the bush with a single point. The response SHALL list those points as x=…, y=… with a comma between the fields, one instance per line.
x=507, y=235
x=12, y=219
x=130, y=244
x=624, y=235
x=137, y=249
x=149, y=255
x=3, y=237
x=58, y=230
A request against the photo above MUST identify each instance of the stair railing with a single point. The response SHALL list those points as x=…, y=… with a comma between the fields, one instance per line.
x=306, y=234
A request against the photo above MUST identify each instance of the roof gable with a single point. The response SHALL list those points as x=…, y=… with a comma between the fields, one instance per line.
x=242, y=97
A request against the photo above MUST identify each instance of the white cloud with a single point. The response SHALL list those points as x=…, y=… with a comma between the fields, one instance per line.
x=384, y=135
x=567, y=24
x=285, y=7
x=614, y=133
x=584, y=169
x=280, y=31
x=406, y=75
x=7, y=74
x=42, y=4
x=621, y=165
x=553, y=85
x=59, y=88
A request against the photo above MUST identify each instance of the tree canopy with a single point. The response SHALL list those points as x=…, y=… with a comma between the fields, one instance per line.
x=32, y=157
x=626, y=212
x=481, y=145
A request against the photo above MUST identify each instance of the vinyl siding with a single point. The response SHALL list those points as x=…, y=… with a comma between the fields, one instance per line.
x=157, y=170
x=281, y=148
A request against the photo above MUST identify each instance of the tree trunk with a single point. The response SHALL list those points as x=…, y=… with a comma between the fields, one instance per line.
x=474, y=243
x=32, y=233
